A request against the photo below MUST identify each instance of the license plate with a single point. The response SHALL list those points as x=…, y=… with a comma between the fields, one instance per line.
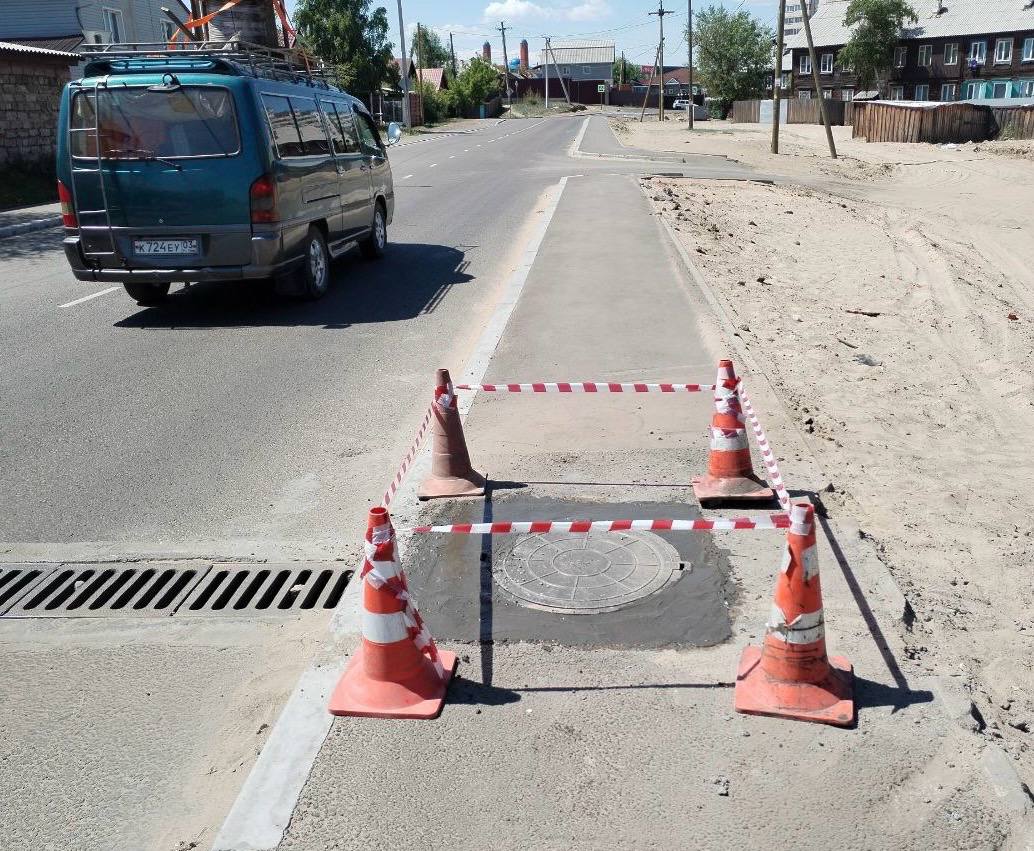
x=164, y=247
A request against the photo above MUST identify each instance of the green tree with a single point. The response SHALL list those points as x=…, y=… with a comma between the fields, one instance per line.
x=352, y=37
x=427, y=49
x=877, y=26
x=633, y=72
x=475, y=84
x=733, y=54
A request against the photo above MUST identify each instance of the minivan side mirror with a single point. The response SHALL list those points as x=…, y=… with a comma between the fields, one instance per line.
x=394, y=133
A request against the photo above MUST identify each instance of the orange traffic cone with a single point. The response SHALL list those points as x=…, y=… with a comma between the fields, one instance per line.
x=730, y=476
x=451, y=472
x=398, y=671
x=790, y=676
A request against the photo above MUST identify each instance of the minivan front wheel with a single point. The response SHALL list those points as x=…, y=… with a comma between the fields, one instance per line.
x=317, y=265
x=376, y=243
x=147, y=295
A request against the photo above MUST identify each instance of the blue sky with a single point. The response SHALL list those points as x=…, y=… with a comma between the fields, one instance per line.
x=623, y=21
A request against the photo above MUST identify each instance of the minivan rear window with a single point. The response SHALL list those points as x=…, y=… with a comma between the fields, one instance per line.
x=139, y=123
x=296, y=126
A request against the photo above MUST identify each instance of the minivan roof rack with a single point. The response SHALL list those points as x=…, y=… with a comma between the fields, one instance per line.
x=234, y=56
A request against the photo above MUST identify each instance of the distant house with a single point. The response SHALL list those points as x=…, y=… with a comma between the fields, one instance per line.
x=434, y=77
x=959, y=50
x=64, y=24
x=579, y=60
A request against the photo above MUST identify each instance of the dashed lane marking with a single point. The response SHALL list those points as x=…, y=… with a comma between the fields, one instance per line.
x=89, y=297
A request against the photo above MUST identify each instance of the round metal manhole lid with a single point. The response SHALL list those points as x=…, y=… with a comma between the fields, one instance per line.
x=587, y=573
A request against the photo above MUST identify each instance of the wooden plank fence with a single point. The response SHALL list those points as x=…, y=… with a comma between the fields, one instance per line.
x=1014, y=122
x=807, y=111
x=881, y=121
x=746, y=112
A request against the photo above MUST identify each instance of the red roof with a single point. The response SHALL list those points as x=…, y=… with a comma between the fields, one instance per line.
x=434, y=76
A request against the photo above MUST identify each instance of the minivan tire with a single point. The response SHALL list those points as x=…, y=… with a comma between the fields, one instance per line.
x=147, y=295
x=374, y=246
x=316, y=269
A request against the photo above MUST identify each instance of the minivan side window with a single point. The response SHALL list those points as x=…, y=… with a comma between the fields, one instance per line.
x=368, y=135
x=281, y=123
x=342, y=130
x=314, y=137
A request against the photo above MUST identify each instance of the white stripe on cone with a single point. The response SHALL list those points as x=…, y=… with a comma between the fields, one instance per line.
x=384, y=629
x=806, y=628
x=722, y=441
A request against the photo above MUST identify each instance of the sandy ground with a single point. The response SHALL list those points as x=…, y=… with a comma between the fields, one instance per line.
x=890, y=299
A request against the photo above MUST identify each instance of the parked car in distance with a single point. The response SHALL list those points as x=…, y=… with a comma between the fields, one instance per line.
x=215, y=163
x=699, y=112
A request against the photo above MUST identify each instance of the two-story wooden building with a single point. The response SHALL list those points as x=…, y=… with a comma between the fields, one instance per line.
x=959, y=50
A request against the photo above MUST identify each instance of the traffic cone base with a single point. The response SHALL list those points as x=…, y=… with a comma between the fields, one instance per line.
x=829, y=701
x=419, y=695
x=712, y=491
x=473, y=484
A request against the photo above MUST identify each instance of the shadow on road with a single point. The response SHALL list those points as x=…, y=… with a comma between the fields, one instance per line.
x=26, y=245
x=410, y=281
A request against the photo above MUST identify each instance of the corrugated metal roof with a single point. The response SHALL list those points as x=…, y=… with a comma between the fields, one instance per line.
x=11, y=47
x=435, y=77
x=54, y=42
x=583, y=51
x=959, y=18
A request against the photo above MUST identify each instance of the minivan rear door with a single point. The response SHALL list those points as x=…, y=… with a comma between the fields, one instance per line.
x=353, y=180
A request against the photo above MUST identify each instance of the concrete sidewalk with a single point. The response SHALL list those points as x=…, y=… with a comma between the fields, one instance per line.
x=29, y=219
x=589, y=731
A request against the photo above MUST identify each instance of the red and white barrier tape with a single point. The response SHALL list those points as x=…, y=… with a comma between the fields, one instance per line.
x=771, y=521
x=389, y=494
x=767, y=455
x=588, y=387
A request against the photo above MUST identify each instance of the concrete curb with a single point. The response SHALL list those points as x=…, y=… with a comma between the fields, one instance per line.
x=30, y=226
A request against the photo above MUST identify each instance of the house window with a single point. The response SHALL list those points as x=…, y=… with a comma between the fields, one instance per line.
x=1028, y=50
x=922, y=92
x=971, y=91
x=826, y=66
x=1026, y=88
x=948, y=91
x=114, y=26
x=897, y=92
x=804, y=94
x=951, y=54
x=847, y=95
x=846, y=67
x=900, y=56
x=1000, y=89
x=785, y=81
x=978, y=52
x=168, y=30
x=805, y=65
x=925, y=55
x=1003, y=51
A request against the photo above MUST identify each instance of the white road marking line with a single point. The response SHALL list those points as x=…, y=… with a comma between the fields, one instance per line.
x=452, y=156
x=88, y=297
x=407, y=177
x=432, y=165
x=466, y=150
x=258, y=819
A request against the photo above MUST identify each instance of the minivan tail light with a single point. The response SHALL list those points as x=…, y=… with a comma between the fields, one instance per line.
x=68, y=218
x=263, y=200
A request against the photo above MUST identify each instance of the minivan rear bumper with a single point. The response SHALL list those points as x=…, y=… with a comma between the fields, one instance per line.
x=266, y=254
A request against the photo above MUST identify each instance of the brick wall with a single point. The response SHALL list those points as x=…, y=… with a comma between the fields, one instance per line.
x=30, y=92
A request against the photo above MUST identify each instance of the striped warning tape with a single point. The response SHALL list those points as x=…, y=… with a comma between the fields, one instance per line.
x=771, y=521
x=767, y=455
x=588, y=387
x=389, y=494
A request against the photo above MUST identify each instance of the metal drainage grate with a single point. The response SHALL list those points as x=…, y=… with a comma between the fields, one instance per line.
x=266, y=590
x=17, y=580
x=100, y=591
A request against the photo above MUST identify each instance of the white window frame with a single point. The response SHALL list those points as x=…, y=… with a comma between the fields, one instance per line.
x=949, y=89
x=954, y=60
x=971, y=91
x=995, y=84
x=785, y=79
x=1028, y=50
x=925, y=52
x=804, y=94
x=977, y=52
x=925, y=89
x=110, y=15
x=826, y=63
x=1003, y=59
x=1026, y=88
x=805, y=64
x=847, y=95
x=897, y=92
x=900, y=56
x=827, y=94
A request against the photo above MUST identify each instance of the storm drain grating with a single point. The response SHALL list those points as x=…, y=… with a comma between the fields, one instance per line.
x=161, y=589
x=100, y=591
x=266, y=589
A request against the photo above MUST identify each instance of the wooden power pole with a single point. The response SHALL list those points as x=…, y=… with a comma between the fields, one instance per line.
x=692, y=103
x=777, y=90
x=506, y=70
x=660, y=13
x=815, y=77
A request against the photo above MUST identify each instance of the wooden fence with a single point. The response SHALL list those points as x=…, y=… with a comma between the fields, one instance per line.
x=807, y=111
x=746, y=112
x=881, y=121
x=1013, y=122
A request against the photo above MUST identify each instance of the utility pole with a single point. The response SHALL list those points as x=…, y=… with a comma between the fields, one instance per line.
x=622, y=82
x=547, y=76
x=692, y=103
x=452, y=52
x=404, y=61
x=777, y=91
x=660, y=13
x=815, y=77
x=563, y=85
x=506, y=70
x=649, y=85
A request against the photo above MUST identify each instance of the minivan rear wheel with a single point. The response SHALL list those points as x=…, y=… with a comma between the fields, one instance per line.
x=316, y=273
x=376, y=243
x=147, y=294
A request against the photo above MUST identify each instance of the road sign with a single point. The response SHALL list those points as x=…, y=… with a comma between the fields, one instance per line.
x=601, y=88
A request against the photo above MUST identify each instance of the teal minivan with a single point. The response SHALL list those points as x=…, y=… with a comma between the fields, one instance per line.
x=216, y=162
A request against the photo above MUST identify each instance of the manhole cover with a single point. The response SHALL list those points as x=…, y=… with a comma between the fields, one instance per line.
x=579, y=573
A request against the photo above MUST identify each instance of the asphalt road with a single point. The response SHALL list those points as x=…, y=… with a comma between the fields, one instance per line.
x=231, y=422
